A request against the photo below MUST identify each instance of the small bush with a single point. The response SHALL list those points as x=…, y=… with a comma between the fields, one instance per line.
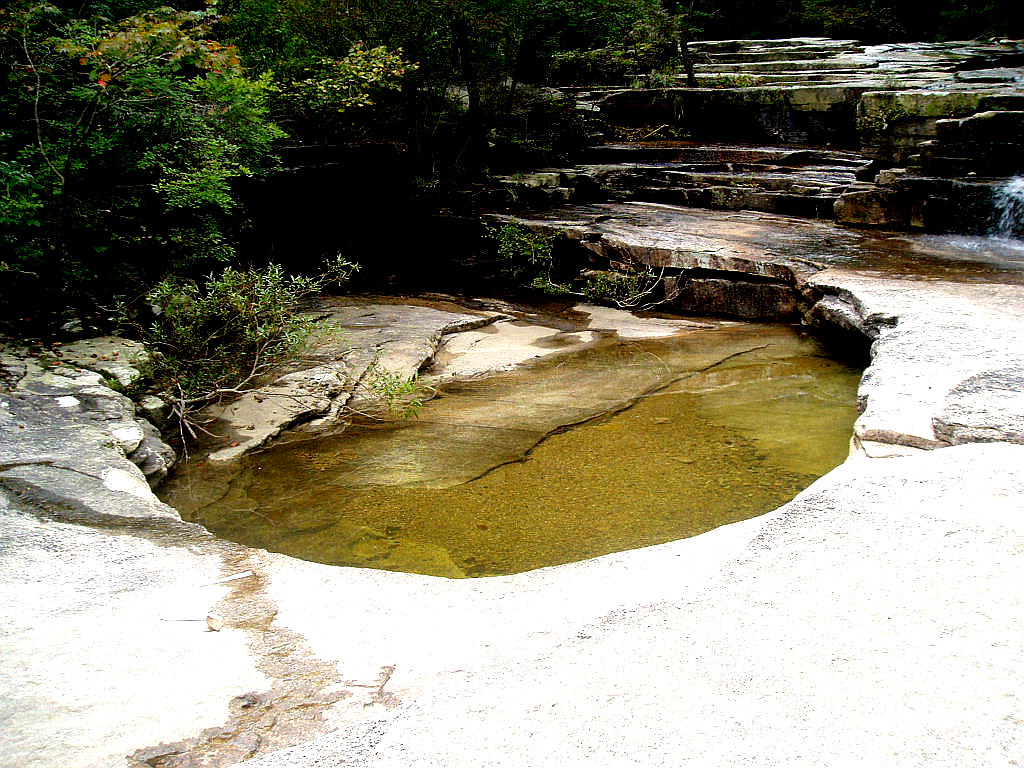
x=527, y=257
x=402, y=397
x=212, y=340
x=623, y=290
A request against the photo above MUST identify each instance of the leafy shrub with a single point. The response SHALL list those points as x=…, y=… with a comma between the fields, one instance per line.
x=214, y=339
x=402, y=397
x=124, y=139
x=311, y=93
x=623, y=290
x=523, y=251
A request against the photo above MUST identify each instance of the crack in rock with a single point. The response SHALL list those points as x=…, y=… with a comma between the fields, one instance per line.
x=293, y=710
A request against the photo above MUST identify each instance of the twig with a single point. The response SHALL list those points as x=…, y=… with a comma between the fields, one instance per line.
x=631, y=302
x=656, y=130
x=236, y=577
x=35, y=103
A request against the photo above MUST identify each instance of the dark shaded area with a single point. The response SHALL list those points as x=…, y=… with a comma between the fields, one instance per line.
x=365, y=203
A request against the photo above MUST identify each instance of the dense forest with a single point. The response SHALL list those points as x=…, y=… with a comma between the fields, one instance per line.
x=128, y=126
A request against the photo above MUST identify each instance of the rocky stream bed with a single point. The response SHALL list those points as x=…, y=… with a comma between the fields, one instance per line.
x=874, y=619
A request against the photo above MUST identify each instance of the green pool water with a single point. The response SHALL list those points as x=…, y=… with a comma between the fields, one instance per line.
x=622, y=445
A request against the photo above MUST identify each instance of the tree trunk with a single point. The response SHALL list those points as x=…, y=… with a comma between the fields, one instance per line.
x=684, y=47
x=476, y=146
x=685, y=31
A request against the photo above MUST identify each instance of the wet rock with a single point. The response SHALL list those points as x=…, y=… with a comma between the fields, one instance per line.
x=908, y=104
x=904, y=199
x=153, y=456
x=361, y=341
x=886, y=98
x=112, y=356
x=871, y=207
x=932, y=340
x=153, y=409
x=988, y=407
x=734, y=298
x=985, y=143
x=139, y=669
x=896, y=125
x=54, y=412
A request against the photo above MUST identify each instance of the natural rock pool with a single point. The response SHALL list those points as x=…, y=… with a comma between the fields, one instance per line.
x=621, y=444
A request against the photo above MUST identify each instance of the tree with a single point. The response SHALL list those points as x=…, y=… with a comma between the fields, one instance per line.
x=469, y=61
x=125, y=137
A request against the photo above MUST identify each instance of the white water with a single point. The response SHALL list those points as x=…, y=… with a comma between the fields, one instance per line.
x=1009, y=209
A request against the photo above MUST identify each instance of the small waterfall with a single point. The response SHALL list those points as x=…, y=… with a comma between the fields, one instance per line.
x=1008, y=201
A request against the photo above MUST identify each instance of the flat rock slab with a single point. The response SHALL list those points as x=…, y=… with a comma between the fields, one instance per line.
x=104, y=642
x=946, y=358
x=111, y=356
x=782, y=248
x=503, y=346
x=873, y=620
x=359, y=338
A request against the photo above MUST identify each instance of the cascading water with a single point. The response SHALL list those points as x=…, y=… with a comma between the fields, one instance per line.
x=1008, y=200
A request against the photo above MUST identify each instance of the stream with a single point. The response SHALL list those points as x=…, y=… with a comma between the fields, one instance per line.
x=619, y=444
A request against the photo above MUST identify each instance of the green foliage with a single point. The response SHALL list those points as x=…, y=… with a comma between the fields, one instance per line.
x=881, y=118
x=732, y=81
x=527, y=256
x=605, y=286
x=624, y=290
x=668, y=78
x=119, y=159
x=403, y=397
x=892, y=83
x=213, y=339
x=468, y=61
x=314, y=92
x=544, y=284
x=599, y=65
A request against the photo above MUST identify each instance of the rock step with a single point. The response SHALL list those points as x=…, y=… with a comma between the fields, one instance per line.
x=722, y=153
x=812, y=205
x=762, y=177
x=788, y=54
x=792, y=53
x=836, y=65
x=880, y=79
x=803, y=181
x=823, y=43
x=813, y=115
x=792, y=182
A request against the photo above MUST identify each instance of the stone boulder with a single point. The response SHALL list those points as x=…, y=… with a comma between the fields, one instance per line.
x=52, y=401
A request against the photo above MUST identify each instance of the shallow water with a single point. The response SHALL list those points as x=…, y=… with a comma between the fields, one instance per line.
x=671, y=439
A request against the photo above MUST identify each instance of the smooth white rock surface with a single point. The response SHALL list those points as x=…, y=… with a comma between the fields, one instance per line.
x=874, y=620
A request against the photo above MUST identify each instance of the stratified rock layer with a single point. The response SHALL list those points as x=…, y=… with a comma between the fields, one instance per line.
x=874, y=620
x=809, y=127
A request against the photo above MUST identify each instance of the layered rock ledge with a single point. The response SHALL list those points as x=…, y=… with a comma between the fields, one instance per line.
x=901, y=136
x=873, y=619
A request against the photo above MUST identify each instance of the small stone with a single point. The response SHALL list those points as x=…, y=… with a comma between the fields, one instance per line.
x=215, y=622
